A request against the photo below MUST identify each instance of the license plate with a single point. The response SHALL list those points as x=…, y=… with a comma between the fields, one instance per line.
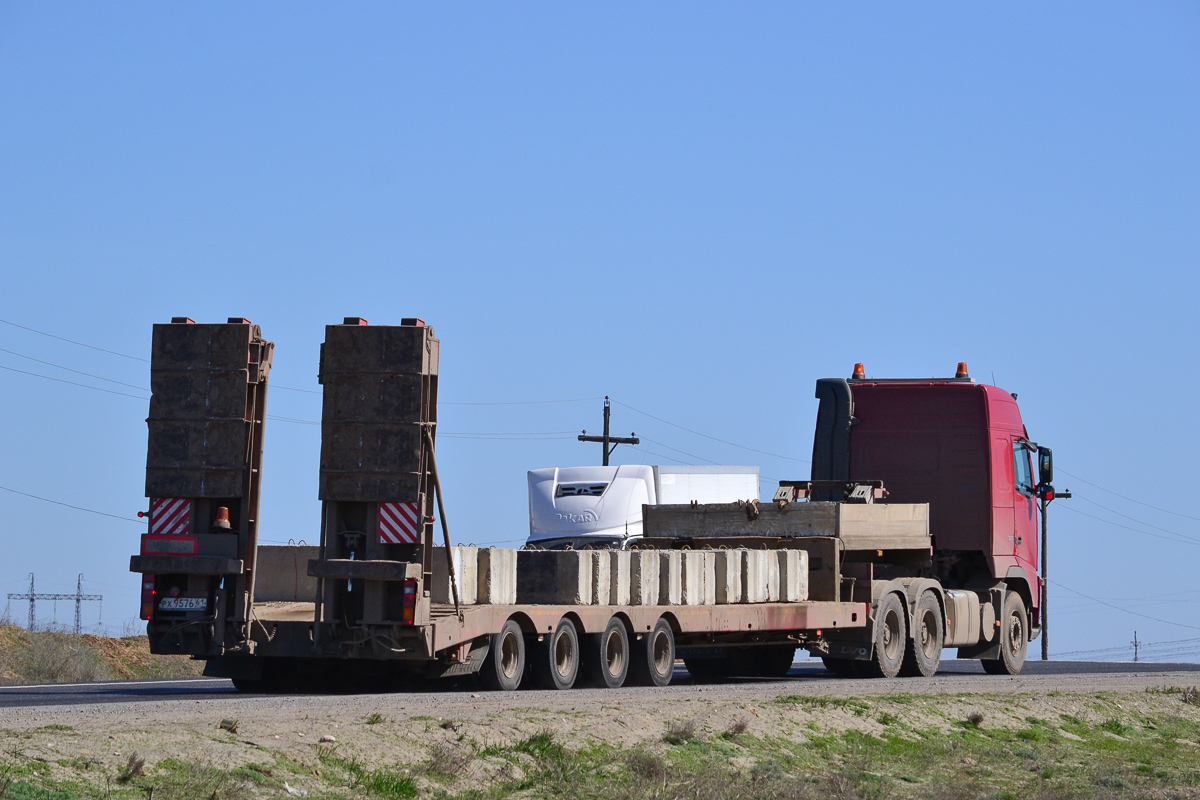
x=183, y=604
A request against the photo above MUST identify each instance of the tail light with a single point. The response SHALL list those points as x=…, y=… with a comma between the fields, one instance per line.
x=410, y=602
x=148, y=597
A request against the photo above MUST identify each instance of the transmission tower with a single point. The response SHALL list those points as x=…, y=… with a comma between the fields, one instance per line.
x=32, y=596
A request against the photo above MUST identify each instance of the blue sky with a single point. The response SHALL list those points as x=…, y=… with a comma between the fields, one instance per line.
x=696, y=209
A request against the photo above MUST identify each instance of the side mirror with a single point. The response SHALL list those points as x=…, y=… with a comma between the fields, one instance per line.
x=1045, y=466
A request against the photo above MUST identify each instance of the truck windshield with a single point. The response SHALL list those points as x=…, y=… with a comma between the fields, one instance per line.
x=1022, y=471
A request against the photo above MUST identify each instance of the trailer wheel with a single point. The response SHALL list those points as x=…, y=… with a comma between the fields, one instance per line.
x=556, y=662
x=653, y=662
x=924, y=652
x=890, y=639
x=1014, y=638
x=840, y=667
x=504, y=666
x=606, y=656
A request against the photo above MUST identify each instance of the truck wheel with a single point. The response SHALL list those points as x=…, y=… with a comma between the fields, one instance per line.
x=653, y=662
x=1014, y=638
x=556, y=662
x=249, y=685
x=504, y=666
x=606, y=656
x=924, y=652
x=889, y=639
x=840, y=667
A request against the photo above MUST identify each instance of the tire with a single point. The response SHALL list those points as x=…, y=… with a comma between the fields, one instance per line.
x=606, y=656
x=556, y=659
x=653, y=662
x=707, y=669
x=924, y=651
x=249, y=685
x=890, y=638
x=1014, y=638
x=504, y=666
x=840, y=667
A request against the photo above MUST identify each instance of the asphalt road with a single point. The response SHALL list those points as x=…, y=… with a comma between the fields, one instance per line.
x=804, y=673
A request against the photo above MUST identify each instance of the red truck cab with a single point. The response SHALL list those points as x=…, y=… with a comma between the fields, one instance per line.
x=957, y=445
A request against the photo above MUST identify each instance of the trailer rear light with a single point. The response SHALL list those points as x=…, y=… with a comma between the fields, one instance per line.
x=859, y=373
x=962, y=370
x=148, y=594
x=410, y=602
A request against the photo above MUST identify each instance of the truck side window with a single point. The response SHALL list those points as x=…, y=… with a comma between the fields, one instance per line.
x=1024, y=476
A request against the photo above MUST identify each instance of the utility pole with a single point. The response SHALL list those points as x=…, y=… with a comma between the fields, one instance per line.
x=606, y=439
x=1046, y=494
x=78, y=597
x=1135, y=647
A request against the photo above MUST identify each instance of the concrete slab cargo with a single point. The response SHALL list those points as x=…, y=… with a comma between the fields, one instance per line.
x=497, y=583
x=670, y=584
x=755, y=574
x=618, y=579
x=466, y=575
x=727, y=576
x=559, y=577
x=643, y=577
x=793, y=575
x=601, y=576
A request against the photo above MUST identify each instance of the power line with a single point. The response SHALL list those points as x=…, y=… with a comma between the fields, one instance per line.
x=519, y=402
x=1133, y=519
x=1130, y=499
x=1184, y=540
x=77, y=372
x=1127, y=611
x=706, y=436
x=72, y=341
x=73, y=383
x=68, y=505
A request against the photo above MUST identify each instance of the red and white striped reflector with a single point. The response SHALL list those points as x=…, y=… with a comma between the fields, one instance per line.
x=399, y=523
x=169, y=515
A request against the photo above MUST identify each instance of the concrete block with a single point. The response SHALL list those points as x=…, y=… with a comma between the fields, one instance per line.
x=773, y=577
x=643, y=577
x=793, y=576
x=670, y=577
x=618, y=577
x=727, y=576
x=691, y=584
x=497, y=584
x=755, y=574
x=601, y=576
x=466, y=565
x=281, y=573
x=554, y=577
x=710, y=577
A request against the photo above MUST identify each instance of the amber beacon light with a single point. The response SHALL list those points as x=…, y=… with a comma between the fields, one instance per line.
x=962, y=370
x=859, y=373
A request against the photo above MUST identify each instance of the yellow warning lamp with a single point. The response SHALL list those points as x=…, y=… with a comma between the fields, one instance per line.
x=962, y=370
x=859, y=373
x=222, y=521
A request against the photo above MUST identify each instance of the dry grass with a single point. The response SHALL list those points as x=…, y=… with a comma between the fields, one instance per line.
x=53, y=657
x=680, y=731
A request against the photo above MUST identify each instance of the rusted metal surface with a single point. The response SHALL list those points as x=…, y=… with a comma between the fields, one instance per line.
x=372, y=570
x=201, y=378
x=376, y=386
x=186, y=565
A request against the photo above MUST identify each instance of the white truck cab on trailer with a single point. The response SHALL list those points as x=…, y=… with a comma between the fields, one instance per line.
x=602, y=506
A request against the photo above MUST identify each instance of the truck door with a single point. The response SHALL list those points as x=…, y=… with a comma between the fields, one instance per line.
x=1024, y=505
x=1002, y=497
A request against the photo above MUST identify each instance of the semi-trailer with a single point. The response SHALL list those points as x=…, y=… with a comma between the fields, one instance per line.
x=916, y=531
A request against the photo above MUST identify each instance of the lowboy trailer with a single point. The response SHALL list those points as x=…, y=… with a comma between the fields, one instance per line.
x=916, y=531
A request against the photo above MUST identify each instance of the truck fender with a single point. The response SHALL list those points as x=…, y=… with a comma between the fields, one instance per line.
x=915, y=587
x=1017, y=580
x=878, y=590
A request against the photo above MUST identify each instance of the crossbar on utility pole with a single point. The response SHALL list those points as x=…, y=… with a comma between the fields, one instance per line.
x=606, y=440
